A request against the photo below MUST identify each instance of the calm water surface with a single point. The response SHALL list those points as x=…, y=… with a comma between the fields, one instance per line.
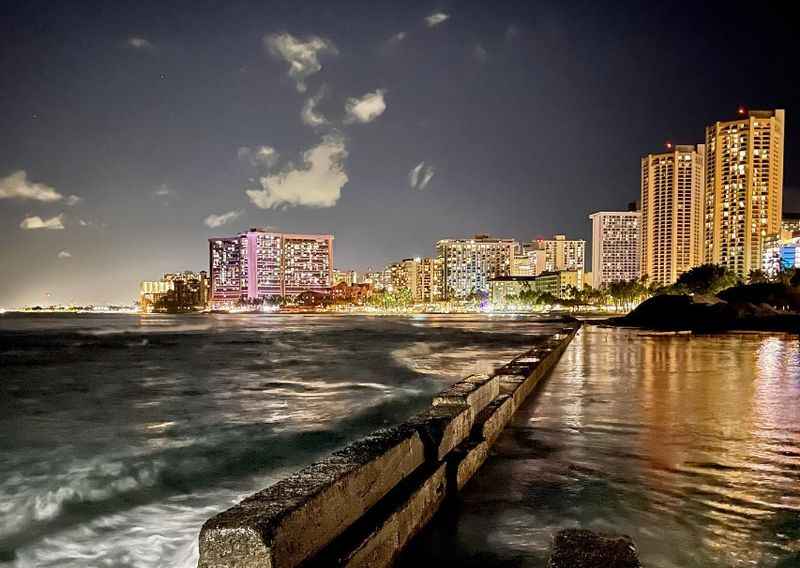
x=689, y=444
x=120, y=435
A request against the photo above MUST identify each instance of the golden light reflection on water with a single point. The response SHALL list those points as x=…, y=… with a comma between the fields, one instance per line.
x=715, y=425
x=689, y=444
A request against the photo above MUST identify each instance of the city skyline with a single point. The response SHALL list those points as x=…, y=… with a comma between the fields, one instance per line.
x=124, y=152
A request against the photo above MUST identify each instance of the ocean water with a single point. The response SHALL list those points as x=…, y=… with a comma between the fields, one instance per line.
x=120, y=435
x=689, y=444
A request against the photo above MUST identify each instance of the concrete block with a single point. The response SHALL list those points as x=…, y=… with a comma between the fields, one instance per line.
x=290, y=521
x=511, y=385
x=492, y=419
x=443, y=427
x=379, y=549
x=476, y=391
x=466, y=460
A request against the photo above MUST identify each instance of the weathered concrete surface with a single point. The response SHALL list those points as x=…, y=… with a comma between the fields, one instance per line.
x=578, y=548
x=466, y=460
x=286, y=523
x=493, y=419
x=475, y=391
x=443, y=427
x=382, y=546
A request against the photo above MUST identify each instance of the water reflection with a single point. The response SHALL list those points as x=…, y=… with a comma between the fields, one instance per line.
x=689, y=444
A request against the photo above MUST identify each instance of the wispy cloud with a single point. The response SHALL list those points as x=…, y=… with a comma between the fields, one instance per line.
x=316, y=182
x=259, y=157
x=163, y=190
x=399, y=36
x=367, y=108
x=420, y=176
x=512, y=32
x=480, y=53
x=302, y=55
x=17, y=186
x=215, y=220
x=309, y=115
x=436, y=18
x=138, y=42
x=73, y=200
x=64, y=254
x=36, y=222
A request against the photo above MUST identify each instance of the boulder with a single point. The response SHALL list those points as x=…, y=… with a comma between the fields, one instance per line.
x=579, y=548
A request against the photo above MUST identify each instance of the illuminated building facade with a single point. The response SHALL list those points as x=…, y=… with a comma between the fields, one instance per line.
x=790, y=225
x=260, y=264
x=560, y=253
x=743, y=188
x=179, y=291
x=672, y=212
x=505, y=289
x=468, y=264
x=780, y=254
x=616, y=246
x=428, y=280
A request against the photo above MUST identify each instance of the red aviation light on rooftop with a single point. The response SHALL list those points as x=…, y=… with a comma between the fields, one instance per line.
x=668, y=144
x=742, y=111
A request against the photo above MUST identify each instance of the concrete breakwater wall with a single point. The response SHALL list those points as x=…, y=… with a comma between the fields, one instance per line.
x=360, y=506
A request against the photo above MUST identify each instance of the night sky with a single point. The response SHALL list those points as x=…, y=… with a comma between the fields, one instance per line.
x=128, y=130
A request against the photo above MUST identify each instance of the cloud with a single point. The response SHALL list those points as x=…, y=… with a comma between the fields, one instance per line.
x=512, y=32
x=437, y=18
x=480, y=53
x=399, y=36
x=64, y=254
x=301, y=55
x=83, y=223
x=420, y=176
x=163, y=190
x=17, y=186
x=74, y=200
x=137, y=42
x=215, y=220
x=309, y=114
x=317, y=182
x=367, y=108
x=259, y=157
x=36, y=222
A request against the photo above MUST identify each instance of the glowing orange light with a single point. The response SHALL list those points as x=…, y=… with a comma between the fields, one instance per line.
x=669, y=145
x=741, y=110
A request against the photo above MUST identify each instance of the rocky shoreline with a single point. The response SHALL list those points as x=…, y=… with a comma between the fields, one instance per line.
x=703, y=314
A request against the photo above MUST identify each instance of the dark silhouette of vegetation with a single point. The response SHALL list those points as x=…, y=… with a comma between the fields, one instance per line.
x=707, y=279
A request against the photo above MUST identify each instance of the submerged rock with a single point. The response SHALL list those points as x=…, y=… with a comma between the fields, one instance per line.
x=579, y=548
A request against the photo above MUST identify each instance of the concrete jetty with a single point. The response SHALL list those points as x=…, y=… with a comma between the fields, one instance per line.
x=360, y=506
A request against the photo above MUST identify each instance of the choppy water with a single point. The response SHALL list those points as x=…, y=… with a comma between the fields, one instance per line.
x=691, y=445
x=120, y=435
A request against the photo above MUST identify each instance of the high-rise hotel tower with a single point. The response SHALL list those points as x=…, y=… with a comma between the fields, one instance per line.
x=743, y=188
x=672, y=212
x=616, y=246
x=259, y=264
x=467, y=265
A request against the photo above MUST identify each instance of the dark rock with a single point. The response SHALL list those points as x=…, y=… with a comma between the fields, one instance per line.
x=683, y=312
x=579, y=548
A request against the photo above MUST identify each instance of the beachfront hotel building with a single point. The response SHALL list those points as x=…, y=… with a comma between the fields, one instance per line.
x=467, y=265
x=672, y=212
x=561, y=253
x=616, y=246
x=260, y=264
x=743, y=188
x=790, y=224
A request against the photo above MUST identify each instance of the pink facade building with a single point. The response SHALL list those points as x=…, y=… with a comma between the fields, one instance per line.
x=261, y=264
